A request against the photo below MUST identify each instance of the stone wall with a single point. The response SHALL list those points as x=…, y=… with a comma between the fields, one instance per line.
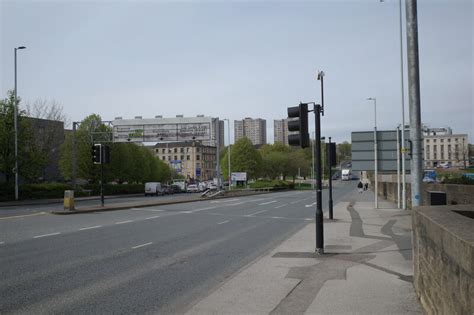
x=455, y=194
x=443, y=258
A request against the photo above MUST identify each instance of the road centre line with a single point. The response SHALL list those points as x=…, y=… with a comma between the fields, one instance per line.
x=44, y=235
x=278, y=218
x=296, y=201
x=267, y=203
x=90, y=227
x=233, y=204
x=280, y=206
x=307, y=206
x=228, y=200
x=123, y=222
x=153, y=217
x=223, y=222
x=250, y=215
x=142, y=245
x=1, y=243
x=202, y=209
x=23, y=216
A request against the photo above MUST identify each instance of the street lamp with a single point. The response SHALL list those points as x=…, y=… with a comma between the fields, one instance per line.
x=228, y=153
x=15, y=122
x=403, y=106
x=375, y=151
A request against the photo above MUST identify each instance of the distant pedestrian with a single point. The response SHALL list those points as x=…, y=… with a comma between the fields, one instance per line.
x=366, y=186
x=360, y=186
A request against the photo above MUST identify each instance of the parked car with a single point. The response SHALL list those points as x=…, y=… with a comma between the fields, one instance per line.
x=153, y=188
x=176, y=189
x=192, y=188
x=167, y=190
x=212, y=186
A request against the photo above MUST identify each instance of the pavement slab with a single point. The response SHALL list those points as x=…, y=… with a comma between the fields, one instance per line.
x=366, y=269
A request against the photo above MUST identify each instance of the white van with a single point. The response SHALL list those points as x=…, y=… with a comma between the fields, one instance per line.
x=153, y=188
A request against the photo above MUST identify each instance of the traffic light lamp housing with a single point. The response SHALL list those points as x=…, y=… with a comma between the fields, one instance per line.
x=100, y=154
x=97, y=153
x=300, y=124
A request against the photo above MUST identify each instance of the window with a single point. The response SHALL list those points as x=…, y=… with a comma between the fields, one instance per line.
x=182, y=157
x=187, y=150
x=198, y=150
x=434, y=140
x=187, y=157
x=181, y=150
x=169, y=157
x=441, y=140
x=175, y=157
x=156, y=150
x=449, y=139
x=163, y=157
x=163, y=150
x=427, y=140
x=175, y=150
x=197, y=157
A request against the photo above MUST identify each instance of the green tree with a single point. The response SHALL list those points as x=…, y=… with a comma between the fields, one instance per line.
x=244, y=158
x=344, y=151
x=30, y=160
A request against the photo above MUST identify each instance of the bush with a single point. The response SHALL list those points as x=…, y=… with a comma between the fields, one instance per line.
x=121, y=189
x=270, y=183
x=458, y=180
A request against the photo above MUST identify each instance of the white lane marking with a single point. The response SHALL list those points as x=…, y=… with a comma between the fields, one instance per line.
x=145, y=209
x=307, y=206
x=142, y=245
x=267, y=203
x=233, y=204
x=278, y=218
x=90, y=227
x=154, y=217
x=281, y=206
x=250, y=215
x=123, y=222
x=185, y=212
x=1, y=243
x=44, y=235
x=308, y=219
x=202, y=209
x=228, y=200
x=296, y=201
x=223, y=222
x=23, y=216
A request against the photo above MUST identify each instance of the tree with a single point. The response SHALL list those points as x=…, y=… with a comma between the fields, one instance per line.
x=50, y=110
x=343, y=151
x=245, y=158
x=29, y=159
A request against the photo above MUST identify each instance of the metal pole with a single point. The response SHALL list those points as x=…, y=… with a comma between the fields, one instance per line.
x=404, y=198
x=328, y=149
x=375, y=153
x=15, y=123
x=228, y=153
x=102, y=176
x=398, y=167
x=414, y=104
x=319, y=208
x=74, y=158
x=218, y=162
x=312, y=163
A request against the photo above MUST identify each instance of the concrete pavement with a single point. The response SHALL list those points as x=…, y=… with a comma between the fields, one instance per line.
x=366, y=269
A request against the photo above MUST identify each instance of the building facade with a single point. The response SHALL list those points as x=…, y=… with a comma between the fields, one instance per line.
x=445, y=149
x=254, y=129
x=280, y=131
x=193, y=159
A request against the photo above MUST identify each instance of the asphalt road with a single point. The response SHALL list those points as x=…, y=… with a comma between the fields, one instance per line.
x=156, y=259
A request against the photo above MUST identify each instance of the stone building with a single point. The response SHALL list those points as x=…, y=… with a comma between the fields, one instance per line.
x=254, y=129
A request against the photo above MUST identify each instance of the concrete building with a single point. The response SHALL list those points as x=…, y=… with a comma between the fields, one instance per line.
x=280, y=131
x=254, y=129
x=192, y=159
x=208, y=130
x=445, y=148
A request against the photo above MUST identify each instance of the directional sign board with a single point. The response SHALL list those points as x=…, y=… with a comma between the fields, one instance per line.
x=363, y=150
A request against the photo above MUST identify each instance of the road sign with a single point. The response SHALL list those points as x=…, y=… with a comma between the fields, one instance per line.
x=363, y=150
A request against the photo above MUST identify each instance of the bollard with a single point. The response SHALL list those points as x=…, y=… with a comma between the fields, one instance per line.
x=69, y=200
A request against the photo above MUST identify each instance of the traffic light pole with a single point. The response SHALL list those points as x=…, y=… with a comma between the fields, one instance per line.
x=102, y=182
x=328, y=150
x=319, y=206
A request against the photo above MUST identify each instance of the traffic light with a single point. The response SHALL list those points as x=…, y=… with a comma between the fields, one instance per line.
x=331, y=149
x=300, y=124
x=97, y=153
x=105, y=154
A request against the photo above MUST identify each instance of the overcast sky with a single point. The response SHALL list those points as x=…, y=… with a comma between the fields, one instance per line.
x=236, y=59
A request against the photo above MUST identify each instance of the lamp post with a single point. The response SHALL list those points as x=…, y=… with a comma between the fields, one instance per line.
x=229, y=177
x=15, y=122
x=403, y=107
x=375, y=151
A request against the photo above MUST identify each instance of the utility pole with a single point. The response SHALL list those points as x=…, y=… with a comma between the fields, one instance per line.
x=330, y=158
x=319, y=205
x=414, y=101
x=74, y=155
